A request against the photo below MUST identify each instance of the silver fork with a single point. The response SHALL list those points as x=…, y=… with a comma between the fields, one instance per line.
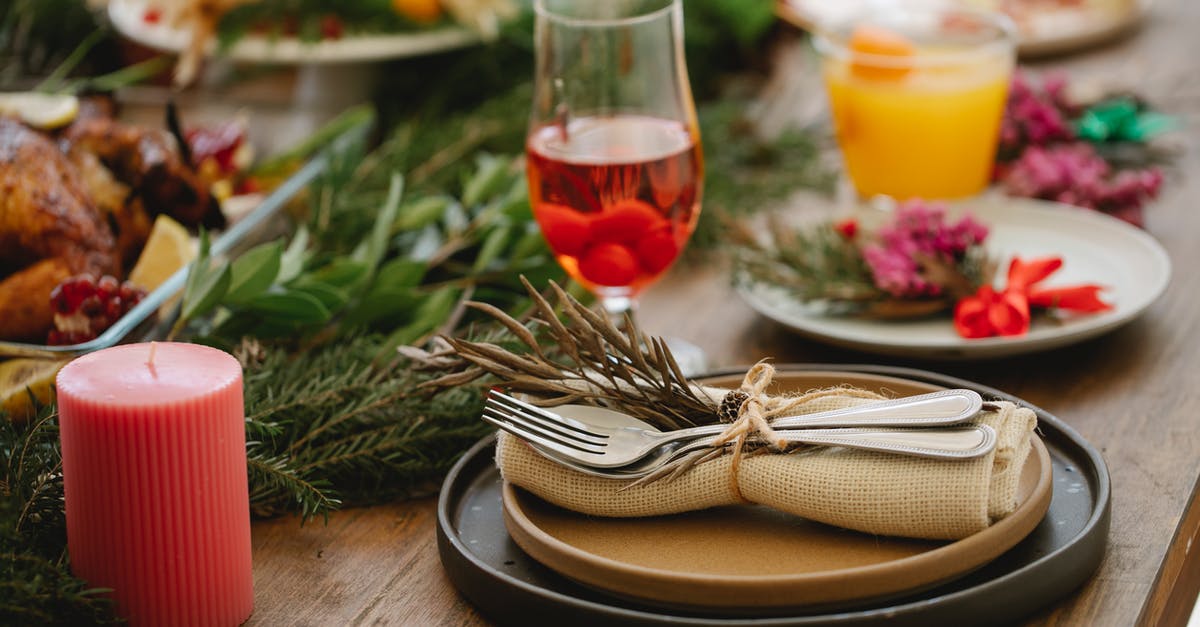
x=982, y=434
x=625, y=439
x=617, y=452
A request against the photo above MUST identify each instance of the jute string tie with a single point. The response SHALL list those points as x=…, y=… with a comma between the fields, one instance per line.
x=750, y=411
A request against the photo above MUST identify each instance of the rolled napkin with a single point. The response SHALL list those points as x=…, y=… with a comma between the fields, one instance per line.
x=872, y=492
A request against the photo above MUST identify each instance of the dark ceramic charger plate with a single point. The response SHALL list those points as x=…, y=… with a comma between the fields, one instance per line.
x=509, y=587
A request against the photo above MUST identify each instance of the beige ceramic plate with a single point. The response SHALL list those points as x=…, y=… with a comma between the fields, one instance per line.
x=1042, y=28
x=127, y=16
x=756, y=558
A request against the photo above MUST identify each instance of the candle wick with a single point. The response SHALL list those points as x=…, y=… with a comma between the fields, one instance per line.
x=150, y=359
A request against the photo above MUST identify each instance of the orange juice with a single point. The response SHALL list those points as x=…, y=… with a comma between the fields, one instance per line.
x=919, y=120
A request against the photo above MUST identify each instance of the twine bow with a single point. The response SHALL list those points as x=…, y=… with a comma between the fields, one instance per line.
x=752, y=410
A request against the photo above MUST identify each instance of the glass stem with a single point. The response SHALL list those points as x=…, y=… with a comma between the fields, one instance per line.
x=616, y=307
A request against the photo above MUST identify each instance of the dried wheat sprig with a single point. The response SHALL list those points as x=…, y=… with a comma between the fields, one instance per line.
x=583, y=357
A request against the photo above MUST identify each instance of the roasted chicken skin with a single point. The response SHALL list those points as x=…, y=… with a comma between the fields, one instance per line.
x=49, y=230
x=150, y=164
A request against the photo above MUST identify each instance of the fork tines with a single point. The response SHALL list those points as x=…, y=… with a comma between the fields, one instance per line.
x=539, y=426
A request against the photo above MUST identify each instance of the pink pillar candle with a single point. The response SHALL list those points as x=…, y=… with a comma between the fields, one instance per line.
x=154, y=474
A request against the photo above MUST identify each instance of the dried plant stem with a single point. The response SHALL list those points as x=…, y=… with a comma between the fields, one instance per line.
x=583, y=357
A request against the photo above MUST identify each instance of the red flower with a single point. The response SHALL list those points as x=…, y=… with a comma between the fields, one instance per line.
x=988, y=312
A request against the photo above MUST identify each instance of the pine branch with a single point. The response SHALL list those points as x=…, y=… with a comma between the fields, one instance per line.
x=814, y=263
x=345, y=427
x=276, y=487
x=37, y=586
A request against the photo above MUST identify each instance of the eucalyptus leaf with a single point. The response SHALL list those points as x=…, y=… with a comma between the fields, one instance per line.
x=372, y=250
x=206, y=284
x=341, y=273
x=431, y=314
x=455, y=219
x=292, y=262
x=515, y=204
x=493, y=245
x=331, y=297
x=427, y=243
x=291, y=306
x=418, y=214
x=400, y=272
x=254, y=272
x=529, y=243
x=491, y=175
x=384, y=305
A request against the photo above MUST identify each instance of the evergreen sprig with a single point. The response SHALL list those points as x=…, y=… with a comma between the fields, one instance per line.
x=815, y=263
x=36, y=584
x=333, y=428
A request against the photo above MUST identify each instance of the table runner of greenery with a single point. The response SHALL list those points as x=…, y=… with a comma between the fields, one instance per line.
x=386, y=247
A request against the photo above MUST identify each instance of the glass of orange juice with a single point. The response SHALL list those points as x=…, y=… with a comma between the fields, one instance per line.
x=917, y=94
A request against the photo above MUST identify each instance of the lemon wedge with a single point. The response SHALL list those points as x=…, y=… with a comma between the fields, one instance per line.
x=168, y=249
x=20, y=377
x=45, y=111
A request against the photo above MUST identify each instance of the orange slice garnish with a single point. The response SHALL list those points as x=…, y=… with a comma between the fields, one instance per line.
x=890, y=53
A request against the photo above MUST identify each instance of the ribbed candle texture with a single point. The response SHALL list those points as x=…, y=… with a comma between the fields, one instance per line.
x=154, y=474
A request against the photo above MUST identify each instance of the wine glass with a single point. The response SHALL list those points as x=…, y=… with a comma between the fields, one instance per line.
x=613, y=152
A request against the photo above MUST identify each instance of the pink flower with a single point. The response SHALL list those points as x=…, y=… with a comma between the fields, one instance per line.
x=1075, y=174
x=1034, y=116
x=918, y=230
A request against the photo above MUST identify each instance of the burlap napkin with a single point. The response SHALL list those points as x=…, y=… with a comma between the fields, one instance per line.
x=877, y=493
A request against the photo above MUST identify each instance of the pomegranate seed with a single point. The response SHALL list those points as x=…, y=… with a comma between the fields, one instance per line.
x=91, y=306
x=84, y=307
x=107, y=285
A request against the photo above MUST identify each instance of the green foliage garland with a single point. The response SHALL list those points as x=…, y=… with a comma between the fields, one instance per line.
x=392, y=244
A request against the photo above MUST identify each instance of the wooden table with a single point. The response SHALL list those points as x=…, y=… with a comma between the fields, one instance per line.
x=1135, y=394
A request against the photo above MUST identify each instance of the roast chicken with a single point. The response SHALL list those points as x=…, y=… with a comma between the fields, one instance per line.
x=82, y=202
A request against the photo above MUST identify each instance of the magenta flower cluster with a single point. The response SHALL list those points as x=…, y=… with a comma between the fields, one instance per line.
x=1035, y=115
x=1076, y=175
x=1040, y=156
x=919, y=230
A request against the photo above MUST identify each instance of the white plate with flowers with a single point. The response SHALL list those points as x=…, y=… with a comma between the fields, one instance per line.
x=1129, y=266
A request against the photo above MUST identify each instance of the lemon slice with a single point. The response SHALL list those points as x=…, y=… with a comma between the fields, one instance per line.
x=168, y=249
x=40, y=110
x=19, y=377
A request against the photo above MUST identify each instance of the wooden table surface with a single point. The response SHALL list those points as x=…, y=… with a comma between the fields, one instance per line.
x=1134, y=393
